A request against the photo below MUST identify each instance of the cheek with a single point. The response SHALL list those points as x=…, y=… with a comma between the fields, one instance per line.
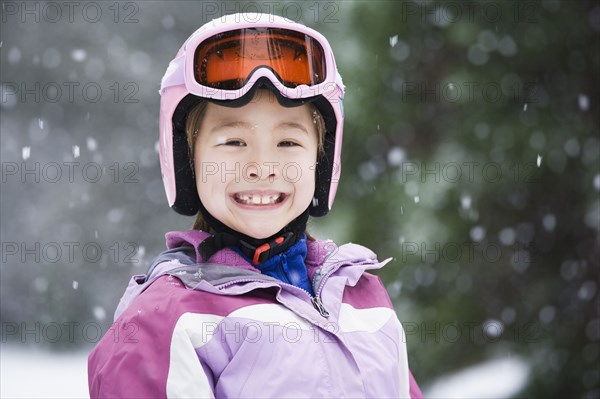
x=207, y=172
x=208, y=166
x=304, y=172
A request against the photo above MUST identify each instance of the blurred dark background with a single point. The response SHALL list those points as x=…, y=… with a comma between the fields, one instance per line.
x=471, y=155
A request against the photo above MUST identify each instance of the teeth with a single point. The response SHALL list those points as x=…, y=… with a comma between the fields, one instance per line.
x=258, y=199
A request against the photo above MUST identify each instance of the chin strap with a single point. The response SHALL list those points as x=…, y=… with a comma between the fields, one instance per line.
x=257, y=250
x=258, y=254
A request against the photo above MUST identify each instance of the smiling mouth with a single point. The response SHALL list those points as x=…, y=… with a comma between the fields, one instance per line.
x=259, y=199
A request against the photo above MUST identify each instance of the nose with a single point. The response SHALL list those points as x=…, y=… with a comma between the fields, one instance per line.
x=262, y=168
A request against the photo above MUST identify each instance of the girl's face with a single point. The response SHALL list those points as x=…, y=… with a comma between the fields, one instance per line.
x=255, y=165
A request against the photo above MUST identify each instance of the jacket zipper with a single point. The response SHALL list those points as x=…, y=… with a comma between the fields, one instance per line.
x=315, y=300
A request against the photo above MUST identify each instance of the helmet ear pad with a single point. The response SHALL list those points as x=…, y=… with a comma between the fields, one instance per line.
x=187, y=201
x=325, y=160
x=186, y=198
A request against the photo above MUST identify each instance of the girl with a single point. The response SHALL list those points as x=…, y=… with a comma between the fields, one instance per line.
x=248, y=304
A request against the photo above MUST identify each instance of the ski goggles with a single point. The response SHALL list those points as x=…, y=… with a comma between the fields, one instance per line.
x=226, y=66
x=228, y=60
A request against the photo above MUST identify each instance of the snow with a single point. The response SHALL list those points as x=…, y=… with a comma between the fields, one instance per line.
x=493, y=328
x=26, y=153
x=587, y=290
x=139, y=62
x=572, y=147
x=91, y=144
x=549, y=222
x=507, y=46
x=40, y=284
x=507, y=236
x=396, y=155
x=465, y=201
x=51, y=58
x=477, y=233
x=584, y=102
x=29, y=373
x=78, y=55
x=477, y=55
x=487, y=39
x=547, y=313
x=14, y=55
x=168, y=22
x=115, y=215
x=99, y=313
x=496, y=378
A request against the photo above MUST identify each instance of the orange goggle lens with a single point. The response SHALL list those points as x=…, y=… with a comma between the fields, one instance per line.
x=227, y=60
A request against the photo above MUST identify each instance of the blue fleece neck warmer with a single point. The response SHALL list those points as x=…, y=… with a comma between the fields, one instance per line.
x=289, y=266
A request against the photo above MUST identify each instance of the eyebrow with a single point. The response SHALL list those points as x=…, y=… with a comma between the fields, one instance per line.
x=230, y=124
x=240, y=124
x=293, y=125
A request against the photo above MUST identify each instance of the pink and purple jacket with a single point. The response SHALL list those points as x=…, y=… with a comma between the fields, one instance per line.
x=222, y=329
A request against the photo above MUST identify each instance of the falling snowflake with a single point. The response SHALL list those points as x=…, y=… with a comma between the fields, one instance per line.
x=91, y=144
x=78, y=55
x=393, y=40
x=465, y=201
x=99, y=313
x=539, y=160
x=493, y=328
x=76, y=151
x=26, y=153
x=549, y=222
x=477, y=233
x=584, y=102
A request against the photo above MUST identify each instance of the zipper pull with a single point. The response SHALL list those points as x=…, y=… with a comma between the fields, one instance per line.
x=319, y=306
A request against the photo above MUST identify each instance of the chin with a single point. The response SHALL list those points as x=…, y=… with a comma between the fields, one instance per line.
x=260, y=232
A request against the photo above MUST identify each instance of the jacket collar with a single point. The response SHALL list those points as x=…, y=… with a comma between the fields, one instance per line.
x=316, y=251
x=181, y=259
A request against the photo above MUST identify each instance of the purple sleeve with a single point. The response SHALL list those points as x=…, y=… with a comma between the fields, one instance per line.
x=132, y=360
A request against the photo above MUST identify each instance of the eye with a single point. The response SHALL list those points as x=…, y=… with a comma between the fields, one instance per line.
x=288, y=143
x=235, y=143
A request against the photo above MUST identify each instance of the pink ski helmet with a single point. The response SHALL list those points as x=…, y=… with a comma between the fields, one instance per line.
x=224, y=62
